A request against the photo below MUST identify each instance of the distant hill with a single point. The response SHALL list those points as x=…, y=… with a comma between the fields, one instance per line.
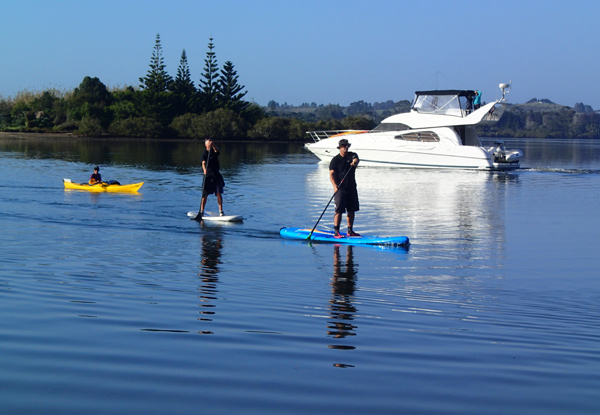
x=539, y=105
x=313, y=112
x=380, y=110
x=535, y=118
x=544, y=119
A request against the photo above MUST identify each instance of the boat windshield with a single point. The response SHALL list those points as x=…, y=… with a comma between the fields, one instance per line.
x=443, y=102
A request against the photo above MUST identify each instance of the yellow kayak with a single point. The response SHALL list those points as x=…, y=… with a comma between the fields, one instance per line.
x=103, y=187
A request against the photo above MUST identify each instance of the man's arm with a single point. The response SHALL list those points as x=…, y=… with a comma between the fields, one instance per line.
x=332, y=179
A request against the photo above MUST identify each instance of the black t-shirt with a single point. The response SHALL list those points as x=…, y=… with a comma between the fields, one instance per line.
x=340, y=166
x=213, y=162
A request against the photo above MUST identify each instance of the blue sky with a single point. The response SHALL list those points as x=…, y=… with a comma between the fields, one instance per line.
x=323, y=51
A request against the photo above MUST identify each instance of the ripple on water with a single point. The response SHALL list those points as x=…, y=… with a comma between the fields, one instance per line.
x=120, y=304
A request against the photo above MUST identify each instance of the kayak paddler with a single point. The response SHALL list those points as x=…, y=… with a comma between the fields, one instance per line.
x=96, y=177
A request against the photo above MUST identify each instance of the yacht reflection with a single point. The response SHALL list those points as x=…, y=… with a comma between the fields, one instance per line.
x=431, y=207
x=211, y=245
x=503, y=178
x=341, y=308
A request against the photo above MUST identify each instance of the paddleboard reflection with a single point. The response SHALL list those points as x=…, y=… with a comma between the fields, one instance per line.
x=342, y=310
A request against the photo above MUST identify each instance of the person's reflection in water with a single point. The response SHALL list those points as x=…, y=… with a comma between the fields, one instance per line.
x=209, y=270
x=342, y=310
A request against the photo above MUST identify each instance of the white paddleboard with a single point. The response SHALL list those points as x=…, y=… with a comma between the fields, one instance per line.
x=216, y=218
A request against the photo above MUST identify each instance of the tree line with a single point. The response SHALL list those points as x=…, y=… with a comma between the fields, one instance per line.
x=162, y=106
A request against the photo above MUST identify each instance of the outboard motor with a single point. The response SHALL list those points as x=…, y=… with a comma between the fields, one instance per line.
x=503, y=156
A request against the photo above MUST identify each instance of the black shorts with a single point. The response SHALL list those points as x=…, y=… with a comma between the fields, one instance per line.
x=346, y=200
x=213, y=184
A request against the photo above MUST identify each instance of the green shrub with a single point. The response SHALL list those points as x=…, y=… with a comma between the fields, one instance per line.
x=90, y=126
x=185, y=125
x=271, y=128
x=219, y=124
x=139, y=127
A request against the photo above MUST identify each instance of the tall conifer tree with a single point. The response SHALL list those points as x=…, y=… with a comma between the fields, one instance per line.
x=155, y=98
x=209, y=80
x=157, y=79
x=230, y=91
x=183, y=87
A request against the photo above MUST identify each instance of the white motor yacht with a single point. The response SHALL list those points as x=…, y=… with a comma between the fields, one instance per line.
x=437, y=132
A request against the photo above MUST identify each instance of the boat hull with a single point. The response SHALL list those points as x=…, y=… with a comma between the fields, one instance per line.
x=103, y=187
x=385, y=150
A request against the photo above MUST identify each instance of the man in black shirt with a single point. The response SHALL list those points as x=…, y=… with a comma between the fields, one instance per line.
x=341, y=175
x=213, y=180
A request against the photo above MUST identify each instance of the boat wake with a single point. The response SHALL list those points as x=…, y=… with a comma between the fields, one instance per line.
x=559, y=170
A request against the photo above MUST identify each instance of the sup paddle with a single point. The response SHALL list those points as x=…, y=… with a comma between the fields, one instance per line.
x=334, y=193
x=198, y=216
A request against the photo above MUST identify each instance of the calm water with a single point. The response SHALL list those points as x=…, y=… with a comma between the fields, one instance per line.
x=118, y=304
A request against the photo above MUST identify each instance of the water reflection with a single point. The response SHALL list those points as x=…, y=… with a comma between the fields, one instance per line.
x=182, y=155
x=431, y=207
x=341, y=308
x=211, y=246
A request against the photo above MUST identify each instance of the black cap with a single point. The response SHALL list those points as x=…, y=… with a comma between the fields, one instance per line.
x=343, y=142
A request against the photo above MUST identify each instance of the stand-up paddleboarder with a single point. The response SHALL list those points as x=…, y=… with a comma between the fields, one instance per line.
x=341, y=175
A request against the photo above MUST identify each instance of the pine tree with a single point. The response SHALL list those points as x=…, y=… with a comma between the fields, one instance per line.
x=209, y=81
x=157, y=79
x=230, y=91
x=183, y=87
x=155, y=98
x=183, y=81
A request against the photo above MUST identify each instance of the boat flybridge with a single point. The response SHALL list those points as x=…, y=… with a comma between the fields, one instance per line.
x=437, y=132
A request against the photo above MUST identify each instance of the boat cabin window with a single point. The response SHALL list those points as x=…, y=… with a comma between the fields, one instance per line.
x=424, y=136
x=451, y=102
x=389, y=126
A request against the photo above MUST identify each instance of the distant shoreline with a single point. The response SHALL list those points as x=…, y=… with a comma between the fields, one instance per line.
x=70, y=136
x=10, y=134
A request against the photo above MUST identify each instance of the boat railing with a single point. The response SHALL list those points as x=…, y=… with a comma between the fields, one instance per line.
x=322, y=135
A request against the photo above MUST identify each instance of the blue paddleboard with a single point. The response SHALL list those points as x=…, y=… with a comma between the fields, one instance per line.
x=321, y=235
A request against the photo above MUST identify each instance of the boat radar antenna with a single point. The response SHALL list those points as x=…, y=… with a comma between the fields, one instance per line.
x=505, y=88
